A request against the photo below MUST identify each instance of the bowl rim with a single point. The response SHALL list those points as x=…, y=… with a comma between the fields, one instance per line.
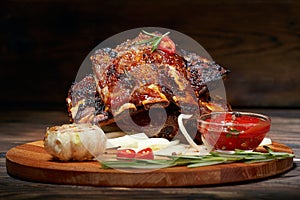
x=266, y=118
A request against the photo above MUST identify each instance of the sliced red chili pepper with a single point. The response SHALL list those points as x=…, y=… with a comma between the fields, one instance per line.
x=126, y=153
x=146, y=153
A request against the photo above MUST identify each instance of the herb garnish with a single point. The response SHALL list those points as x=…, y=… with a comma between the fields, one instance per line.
x=154, y=40
x=198, y=161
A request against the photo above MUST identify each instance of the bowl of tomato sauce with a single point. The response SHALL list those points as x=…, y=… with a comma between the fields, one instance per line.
x=229, y=131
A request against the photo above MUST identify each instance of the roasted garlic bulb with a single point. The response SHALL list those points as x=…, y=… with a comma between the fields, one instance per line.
x=76, y=142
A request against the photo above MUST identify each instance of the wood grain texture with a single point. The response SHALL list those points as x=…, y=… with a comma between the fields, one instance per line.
x=19, y=127
x=31, y=162
x=43, y=44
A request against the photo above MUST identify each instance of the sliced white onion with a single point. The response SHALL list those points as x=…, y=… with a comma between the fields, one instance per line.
x=139, y=141
x=185, y=133
x=265, y=141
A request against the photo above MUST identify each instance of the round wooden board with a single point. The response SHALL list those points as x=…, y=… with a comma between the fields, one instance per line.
x=31, y=162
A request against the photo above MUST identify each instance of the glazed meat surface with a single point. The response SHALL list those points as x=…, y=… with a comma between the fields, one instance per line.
x=131, y=79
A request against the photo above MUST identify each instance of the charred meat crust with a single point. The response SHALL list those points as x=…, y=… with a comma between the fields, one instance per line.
x=132, y=77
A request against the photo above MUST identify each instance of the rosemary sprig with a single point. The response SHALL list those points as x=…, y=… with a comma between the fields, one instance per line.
x=213, y=158
x=154, y=40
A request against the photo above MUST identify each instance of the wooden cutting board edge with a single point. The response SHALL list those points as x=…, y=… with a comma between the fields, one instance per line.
x=32, y=163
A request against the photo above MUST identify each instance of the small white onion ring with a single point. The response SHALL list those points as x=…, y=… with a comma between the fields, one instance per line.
x=185, y=133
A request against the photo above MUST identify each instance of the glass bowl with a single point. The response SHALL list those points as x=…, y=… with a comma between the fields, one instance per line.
x=228, y=131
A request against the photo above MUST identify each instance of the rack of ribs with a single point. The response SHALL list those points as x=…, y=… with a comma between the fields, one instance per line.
x=133, y=83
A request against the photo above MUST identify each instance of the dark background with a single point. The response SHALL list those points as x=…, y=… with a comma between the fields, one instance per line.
x=43, y=43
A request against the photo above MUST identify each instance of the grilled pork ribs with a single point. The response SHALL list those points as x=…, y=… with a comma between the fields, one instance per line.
x=135, y=83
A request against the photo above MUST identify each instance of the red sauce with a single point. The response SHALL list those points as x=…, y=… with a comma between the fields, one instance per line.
x=230, y=131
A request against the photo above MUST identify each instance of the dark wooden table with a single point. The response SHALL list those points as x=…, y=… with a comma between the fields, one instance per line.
x=19, y=127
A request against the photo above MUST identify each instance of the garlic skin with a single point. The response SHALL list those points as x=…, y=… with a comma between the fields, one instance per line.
x=75, y=142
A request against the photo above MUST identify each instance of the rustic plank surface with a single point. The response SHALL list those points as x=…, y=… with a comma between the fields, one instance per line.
x=19, y=127
x=43, y=44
